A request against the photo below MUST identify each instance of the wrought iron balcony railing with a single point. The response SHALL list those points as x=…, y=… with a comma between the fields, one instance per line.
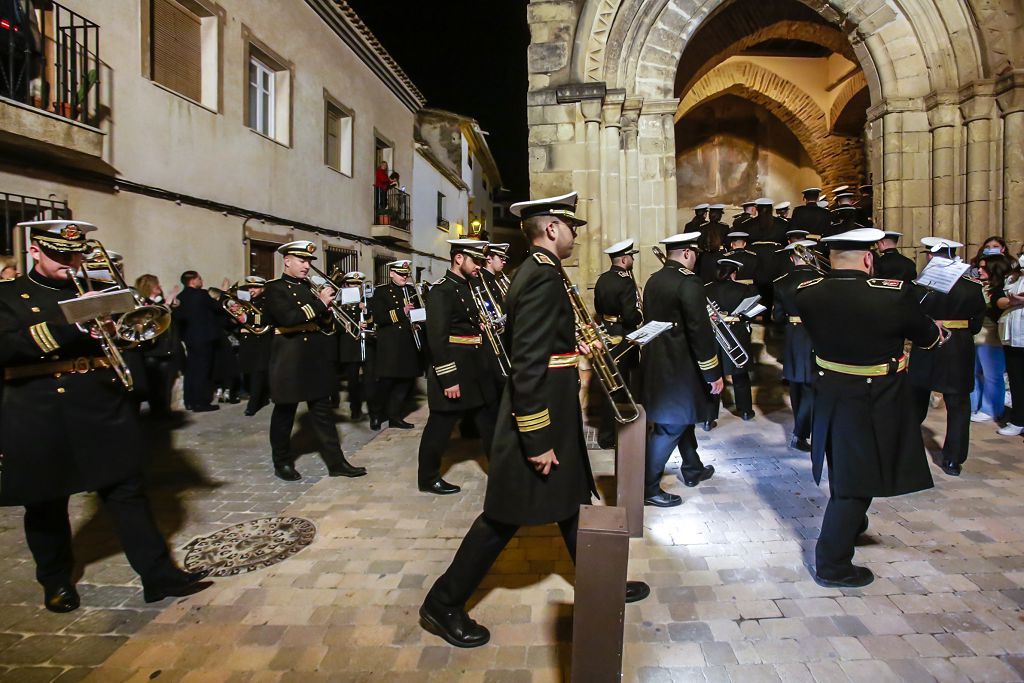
x=396, y=210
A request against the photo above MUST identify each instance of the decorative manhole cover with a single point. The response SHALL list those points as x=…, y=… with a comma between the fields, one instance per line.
x=249, y=546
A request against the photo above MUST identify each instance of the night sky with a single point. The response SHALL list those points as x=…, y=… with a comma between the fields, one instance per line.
x=466, y=56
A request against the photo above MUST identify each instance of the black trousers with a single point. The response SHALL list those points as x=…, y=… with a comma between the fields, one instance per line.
x=159, y=381
x=801, y=398
x=354, y=385
x=282, y=420
x=839, y=529
x=662, y=439
x=958, y=423
x=48, y=535
x=437, y=432
x=480, y=548
x=741, y=391
x=259, y=390
x=198, y=373
x=389, y=397
x=1015, y=373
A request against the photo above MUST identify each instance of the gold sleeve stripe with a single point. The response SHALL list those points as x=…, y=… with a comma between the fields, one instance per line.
x=41, y=336
x=394, y=317
x=531, y=423
x=710, y=364
x=308, y=310
x=445, y=369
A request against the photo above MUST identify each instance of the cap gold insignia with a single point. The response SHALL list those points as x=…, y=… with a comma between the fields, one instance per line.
x=310, y=248
x=71, y=232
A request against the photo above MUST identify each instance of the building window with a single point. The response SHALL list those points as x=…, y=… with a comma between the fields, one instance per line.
x=262, y=258
x=380, y=269
x=183, y=49
x=338, y=261
x=442, y=222
x=16, y=208
x=337, y=137
x=268, y=109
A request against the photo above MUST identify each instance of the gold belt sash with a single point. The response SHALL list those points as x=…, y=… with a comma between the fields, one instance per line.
x=467, y=340
x=76, y=366
x=730, y=318
x=295, y=329
x=880, y=370
x=796, y=320
x=745, y=282
x=954, y=324
x=564, y=360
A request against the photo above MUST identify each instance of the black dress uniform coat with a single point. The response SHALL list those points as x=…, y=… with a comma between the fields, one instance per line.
x=747, y=271
x=492, y=285
x=798, y=354
x=893, y=265
x=350, y=349
x=540, y=407
x=679, y=363
x=865, y=426
x=304, y=351
x=396, y=353
x=60, y=433
x=254, y=349
x=812, y=218
x=729, y=294
x=949, y=369
x=457, y=349
x=617, y=303
x=842, y=219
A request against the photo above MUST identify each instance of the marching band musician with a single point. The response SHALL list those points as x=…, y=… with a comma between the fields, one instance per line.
x=352, y=351
x=949, y=369
x=397, y=357
x=890, y=263
x=728, y=294
x=618, y=307
x=782, y=211
x=254, y=349
x=811, y=217
x=677, y=368
x=797, y=355
x=539, y=470
x=737, y=251
x=700, y=218
x=460, y=382
x=493, y=269
x=844, y=215
x=713, y=241
x=747, y=215
x=57, y=382
x=302, y=363
x=864, y=421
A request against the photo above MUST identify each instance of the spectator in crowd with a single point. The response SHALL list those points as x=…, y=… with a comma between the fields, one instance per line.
x=381, y=183
x=8, y=271
x=161, y=356
x=201, y=324
x=1008, y=302
x=395, y=181
x=991, y=247
x=990, y=361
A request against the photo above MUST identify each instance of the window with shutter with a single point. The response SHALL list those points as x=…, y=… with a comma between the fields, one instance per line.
x=176, y=45
x=261, y=259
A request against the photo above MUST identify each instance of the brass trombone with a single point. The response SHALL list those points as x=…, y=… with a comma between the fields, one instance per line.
x=590, y=334
x=146, y=321
x=724, y=335
x=493, y=319
x=349, y=324
x=813, y=259
x=229, y=299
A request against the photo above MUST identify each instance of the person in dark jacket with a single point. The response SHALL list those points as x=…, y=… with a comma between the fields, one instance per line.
x=255, y=341
x=399, y=346
x=890, y=263
x=67, y=425
x=949, y=369
x=679, y=369
x=811, y=217
x=200, y=321
x=728, y=294
x=352, y=347
x=160, y=356
x=864, y=421
x=539, y=469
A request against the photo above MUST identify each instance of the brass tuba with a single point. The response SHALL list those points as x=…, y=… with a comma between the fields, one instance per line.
x=591, y=334
x=724, y=335
x=493, y=319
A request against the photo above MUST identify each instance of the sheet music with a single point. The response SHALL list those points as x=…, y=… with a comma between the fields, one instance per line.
x=647, y=333
x=418, y=315
x=101, y=305
x=750, y=307
x=349, y=295
x=942, y=273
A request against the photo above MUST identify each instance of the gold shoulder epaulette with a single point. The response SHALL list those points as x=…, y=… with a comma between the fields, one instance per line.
x=686, y=271
x=435, y=284
x=780, y=277
x=542, y=259
x=622, y=273
x=883, y=283
x=752, y=253
x=729, y=253
x=808, y=283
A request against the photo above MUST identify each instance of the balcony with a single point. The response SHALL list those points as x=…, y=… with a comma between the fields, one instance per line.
x=393, y=216
x=51, y=80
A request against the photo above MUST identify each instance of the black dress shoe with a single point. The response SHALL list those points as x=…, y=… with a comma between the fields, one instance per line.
x=249, y=413
x=346, y=469
x=188, y=583
x=63, y=598
x=452, y=624
x=441, y=488
x=374, y=424
x=287, y=472
x=952, y=469
x=706, y=473
x=800, y=444
x=663, y=499
x=208, y=408
x=605, y=442
x=400, y=424
x=709, y=425
x=636, y=591
x=858, y=577
x=747, y=416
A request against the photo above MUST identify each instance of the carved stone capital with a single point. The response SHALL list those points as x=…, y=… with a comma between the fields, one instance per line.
x=943, y=109
x=1010, y=92
x=977, y=101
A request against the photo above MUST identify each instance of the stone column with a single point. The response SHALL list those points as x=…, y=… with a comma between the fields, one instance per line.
x=1011, y=106
x=593, y=243
x=632, y=176
x=611, y=158
x=943, y=119
x=668, y=126
x=977, y=107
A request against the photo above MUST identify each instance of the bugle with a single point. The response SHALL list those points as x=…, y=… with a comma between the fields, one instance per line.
x=590, y=335
x=492, y=319
x=724, y=335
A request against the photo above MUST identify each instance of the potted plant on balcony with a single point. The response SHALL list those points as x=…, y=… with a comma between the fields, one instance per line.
x=71, y=110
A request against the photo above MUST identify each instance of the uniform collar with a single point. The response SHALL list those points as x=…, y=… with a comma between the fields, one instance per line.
x=891, y=250
x=672, y=263
x=50, y=283
x=849, y=273
x=804, y=266
x=615, y=268
x=455, y=276
x=292, y=279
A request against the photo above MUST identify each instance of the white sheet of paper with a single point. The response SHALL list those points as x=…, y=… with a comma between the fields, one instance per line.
x=243, y=295
x=746, y=305
x=647, y=333
x=941, y=274
x=349, y=295
x=418, y=315
x=109, y=302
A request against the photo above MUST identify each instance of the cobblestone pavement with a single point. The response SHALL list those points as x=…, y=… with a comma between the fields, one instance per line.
x=732, y=599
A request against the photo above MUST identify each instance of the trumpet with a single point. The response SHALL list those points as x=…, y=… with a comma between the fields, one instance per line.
x=229, y=300
x=591, y=334
x=349, y=324
x=813, y=259
x=408, y=302
x=146, y=321
x=493, y=319
x=724, y=335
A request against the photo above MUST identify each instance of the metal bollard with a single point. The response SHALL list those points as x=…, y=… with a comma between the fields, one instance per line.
x=630, y=470
x=602, y=554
